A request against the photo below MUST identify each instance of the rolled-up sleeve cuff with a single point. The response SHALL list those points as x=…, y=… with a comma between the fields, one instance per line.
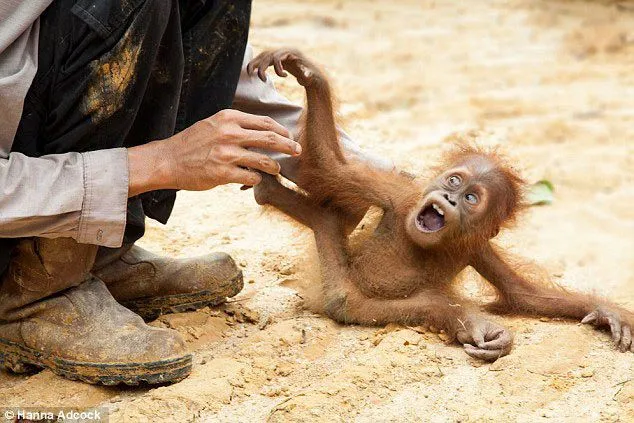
x=104, y=209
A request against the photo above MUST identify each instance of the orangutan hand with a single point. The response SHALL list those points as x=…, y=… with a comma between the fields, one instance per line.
x=620, y=328
x=484, y=339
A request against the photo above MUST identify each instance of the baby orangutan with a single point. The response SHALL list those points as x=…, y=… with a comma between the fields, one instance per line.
x=427, y=234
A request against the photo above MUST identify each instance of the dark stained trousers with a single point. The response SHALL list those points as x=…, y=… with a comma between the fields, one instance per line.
x=119, y=73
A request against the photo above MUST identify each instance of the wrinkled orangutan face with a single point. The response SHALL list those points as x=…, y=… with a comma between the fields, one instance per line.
x=463, y=201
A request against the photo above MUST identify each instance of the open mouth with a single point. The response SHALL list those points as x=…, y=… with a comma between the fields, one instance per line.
x=431, y=218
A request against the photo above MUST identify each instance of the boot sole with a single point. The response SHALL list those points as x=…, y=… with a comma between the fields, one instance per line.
x=21, y=359
x=152, y=307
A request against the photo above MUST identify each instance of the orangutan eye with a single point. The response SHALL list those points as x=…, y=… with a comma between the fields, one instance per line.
x=471, y=198
x=454, y=181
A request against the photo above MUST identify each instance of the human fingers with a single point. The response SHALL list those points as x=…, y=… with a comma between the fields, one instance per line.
x=270, y=141
x=245, y=177
x=258, y=161
x=260, y=123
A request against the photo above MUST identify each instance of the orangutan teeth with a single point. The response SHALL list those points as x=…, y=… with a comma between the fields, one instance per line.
x=438, y=209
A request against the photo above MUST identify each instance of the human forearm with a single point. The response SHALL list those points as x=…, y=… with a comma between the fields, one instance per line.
x=149, y=168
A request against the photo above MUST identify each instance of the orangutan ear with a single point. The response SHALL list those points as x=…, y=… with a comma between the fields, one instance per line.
x=495, y=232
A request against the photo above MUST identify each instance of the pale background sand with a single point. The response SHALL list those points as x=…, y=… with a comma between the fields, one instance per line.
x=552, y=82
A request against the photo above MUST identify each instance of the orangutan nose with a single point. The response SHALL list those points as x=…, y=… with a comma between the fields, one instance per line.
x=448, y=198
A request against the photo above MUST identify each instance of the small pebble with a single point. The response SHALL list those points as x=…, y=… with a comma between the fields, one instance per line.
x=587, y=373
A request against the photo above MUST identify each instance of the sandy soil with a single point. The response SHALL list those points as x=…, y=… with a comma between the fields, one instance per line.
x=552, y=83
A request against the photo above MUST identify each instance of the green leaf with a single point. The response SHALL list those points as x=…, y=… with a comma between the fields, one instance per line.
x=540, y=193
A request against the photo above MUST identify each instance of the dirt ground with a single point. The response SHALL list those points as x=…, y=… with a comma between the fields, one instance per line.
x=552, y=83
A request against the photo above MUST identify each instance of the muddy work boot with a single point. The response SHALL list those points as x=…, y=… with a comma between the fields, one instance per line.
x=54, y=315
x=151, y=285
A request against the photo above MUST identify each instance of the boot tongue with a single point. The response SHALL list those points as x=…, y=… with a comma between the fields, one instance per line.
x=432, y=220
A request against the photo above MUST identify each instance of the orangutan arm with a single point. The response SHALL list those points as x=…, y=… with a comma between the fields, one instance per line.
x=519, y=293
x=324, y=171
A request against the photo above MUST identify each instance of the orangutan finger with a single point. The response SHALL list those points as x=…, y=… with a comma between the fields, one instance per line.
x=592, y=317
x=279, y=68
x=487, y=355
x=626, y=338
x=615, y=328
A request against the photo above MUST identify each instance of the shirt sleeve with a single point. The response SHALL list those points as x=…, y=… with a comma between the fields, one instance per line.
x=78, y=195
x=261, y=98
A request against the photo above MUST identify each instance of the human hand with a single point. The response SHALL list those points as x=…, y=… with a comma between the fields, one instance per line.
x=212, y=152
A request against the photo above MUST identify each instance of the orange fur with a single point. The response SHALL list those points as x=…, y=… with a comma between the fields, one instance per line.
x=397, y=274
